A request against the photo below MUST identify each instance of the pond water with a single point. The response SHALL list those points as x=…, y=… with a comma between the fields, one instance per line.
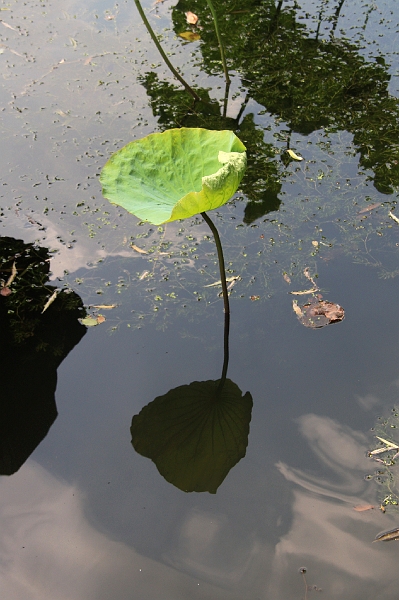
x=83, y=515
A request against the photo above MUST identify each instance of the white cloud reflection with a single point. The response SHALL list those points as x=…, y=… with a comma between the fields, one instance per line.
x=325, y=534
x=49, y=550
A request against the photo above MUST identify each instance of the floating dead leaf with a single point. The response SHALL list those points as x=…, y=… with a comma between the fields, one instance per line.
x=315, y=244
x=304, y=292
x=144, y=275
x=363, y=507
x=253, y=298
x=368, y=208
x=8, y=26
x=387, y=442
x=5, y=291
x=293, y=155
x=137, y=249
x=89, y=321
x=14, y=273
x=394, y=217
x=228, y=280
x=190, y=36
x=387, y=536
x=104, y=306
x=92, y=321
x=318, y=313
x=50, y=300
x=297, y=310
x=286, y=278
x=73, y=42
x=191, y=18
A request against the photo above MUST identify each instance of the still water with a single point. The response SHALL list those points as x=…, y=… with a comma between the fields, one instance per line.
x=83, y=515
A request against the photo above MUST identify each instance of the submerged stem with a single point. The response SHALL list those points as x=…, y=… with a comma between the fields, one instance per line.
x=150, y=30
x=225, y=300
x=221, y=49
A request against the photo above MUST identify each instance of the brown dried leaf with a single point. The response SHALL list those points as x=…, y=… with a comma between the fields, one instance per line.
x=191, y=18
x=296, y=309
x=100, y=319
x=368, y=208
x=316, y=314
x=363, y=507
x=5, y=291
x=140, y=250
x=387, y=536
x=104, y=306
x=286, y=278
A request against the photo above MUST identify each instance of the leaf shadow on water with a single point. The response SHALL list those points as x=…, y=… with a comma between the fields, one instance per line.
x=36, y=337
x=193, y=435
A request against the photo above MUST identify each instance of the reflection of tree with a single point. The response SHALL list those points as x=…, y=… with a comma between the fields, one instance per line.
x=175, y=108
x=307, y=82
x=34, y=343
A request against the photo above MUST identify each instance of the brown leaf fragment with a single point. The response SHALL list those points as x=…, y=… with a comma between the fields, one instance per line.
x=286, y=278
x=100, y=319
x=387, y=536
x=368, y=208
x=191, y=18
x=104, y=306
x=363, y=507
x=140, y=250
x=8, y=26
x=5, y=291
x=394, y=217
x=13, y=275
x=50, y=300
x=316, y=314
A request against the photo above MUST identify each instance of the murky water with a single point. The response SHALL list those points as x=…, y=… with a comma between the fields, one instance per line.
x=85, y=516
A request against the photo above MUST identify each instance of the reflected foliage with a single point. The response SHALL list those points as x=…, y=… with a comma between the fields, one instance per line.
x=34, y=343
x=175, y=108
x=194, y=436
x=308, y=82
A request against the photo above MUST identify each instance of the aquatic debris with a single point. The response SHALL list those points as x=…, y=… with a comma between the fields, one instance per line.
x=318, y=313
x=190, y=36
x=363, y=507
x=50, y=300
x=293, y=155
x=104, y=306
x=394, y=217
x=228, y=280
x=369, y=208
x=387, y=536
x=137, y=249
x=389, y=446
x=91, y=321
x=191, y=18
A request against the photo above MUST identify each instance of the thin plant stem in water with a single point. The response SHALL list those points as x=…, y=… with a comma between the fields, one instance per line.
x=225, y=300
x=222, y=56
x=150, y=30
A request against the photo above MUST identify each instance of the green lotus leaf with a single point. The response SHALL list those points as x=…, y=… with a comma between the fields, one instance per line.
x=193, y=436
x=175, y=174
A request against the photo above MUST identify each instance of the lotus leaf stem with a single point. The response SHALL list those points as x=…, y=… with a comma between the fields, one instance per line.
x=150, y=30
x=225, y=300
x=221, y=48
